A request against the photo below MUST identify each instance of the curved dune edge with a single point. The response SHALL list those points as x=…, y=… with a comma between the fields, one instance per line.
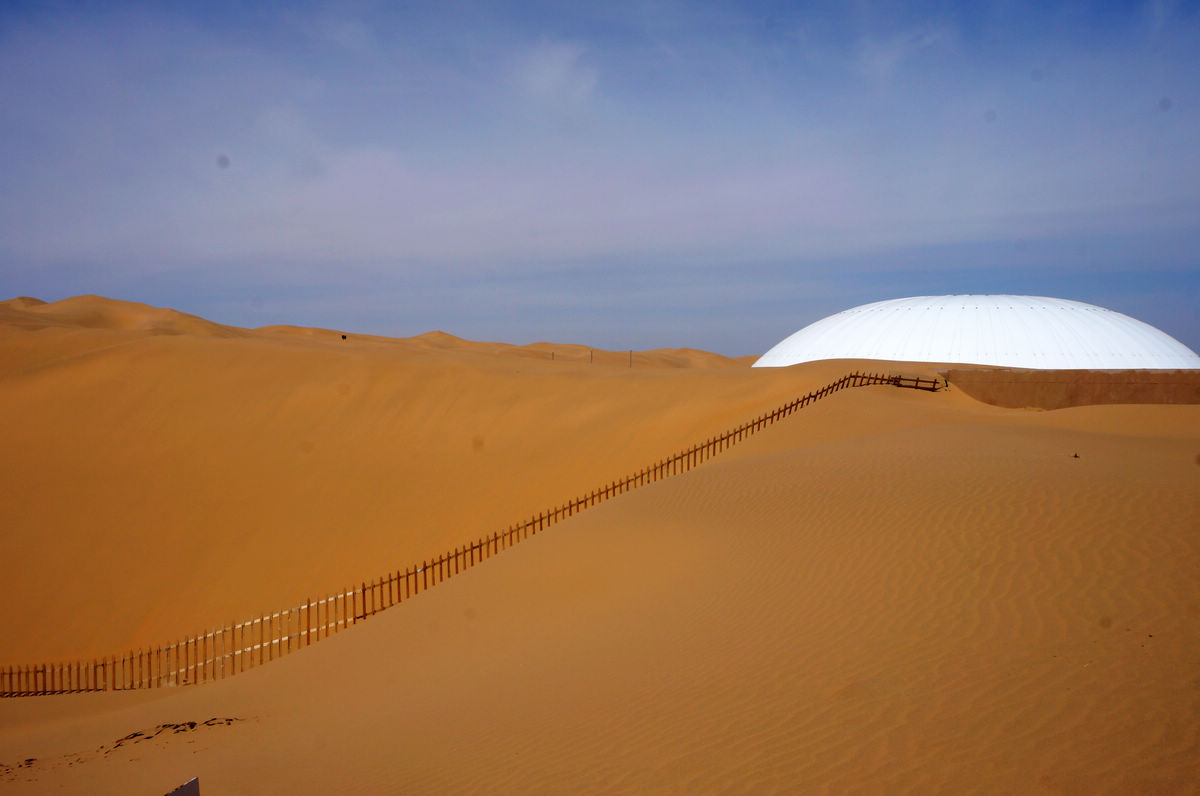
x=252, y=471
x=238, y=647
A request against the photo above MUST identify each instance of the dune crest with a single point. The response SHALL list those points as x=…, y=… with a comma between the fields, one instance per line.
x=97, y=312
x=22, y=302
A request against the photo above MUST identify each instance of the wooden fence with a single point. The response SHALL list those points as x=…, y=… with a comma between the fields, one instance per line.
x=228, y=650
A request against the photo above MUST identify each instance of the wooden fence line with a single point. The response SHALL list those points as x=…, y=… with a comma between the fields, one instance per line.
x=239, y=646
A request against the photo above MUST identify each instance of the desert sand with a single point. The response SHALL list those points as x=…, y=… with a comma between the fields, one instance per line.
x=891, y=590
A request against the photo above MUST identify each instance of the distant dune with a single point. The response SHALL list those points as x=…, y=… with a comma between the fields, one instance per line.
x=96, y=312
x=890, y=590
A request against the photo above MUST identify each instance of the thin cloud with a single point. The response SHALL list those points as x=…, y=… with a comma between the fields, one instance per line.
x=555, y=73
x=878, y=59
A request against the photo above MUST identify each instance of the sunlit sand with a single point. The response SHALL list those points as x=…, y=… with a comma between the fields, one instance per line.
x=889, y=590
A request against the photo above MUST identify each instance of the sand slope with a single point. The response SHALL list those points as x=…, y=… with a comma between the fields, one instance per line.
x=889, y=591
x=160, y=484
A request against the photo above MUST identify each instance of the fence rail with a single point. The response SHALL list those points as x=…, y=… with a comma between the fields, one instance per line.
x=240, y=646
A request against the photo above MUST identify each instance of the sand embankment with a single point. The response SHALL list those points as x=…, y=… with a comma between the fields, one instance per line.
x=891, y=590
x=1058, y=389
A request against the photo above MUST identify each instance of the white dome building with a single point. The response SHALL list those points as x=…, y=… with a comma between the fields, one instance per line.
x=1007, y=331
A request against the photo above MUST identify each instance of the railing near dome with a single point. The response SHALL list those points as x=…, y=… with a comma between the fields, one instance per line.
x=239, y=646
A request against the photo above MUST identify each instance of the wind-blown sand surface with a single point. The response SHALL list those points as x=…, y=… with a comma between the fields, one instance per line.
x=890, y=590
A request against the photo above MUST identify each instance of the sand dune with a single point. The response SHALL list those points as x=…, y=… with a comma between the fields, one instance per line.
x=249, y=472
x=891, y=590
x=97, y=312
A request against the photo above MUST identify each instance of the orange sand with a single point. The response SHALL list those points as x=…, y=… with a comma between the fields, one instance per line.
x=890, y=590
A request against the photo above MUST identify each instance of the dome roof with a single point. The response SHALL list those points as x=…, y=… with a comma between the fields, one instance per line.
x=1011, y=331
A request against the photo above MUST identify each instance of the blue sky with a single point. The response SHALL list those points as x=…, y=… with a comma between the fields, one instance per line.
x=625, y=175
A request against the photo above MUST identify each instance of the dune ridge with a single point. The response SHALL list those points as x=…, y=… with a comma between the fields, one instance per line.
x=238, y=647
x=222, y=452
